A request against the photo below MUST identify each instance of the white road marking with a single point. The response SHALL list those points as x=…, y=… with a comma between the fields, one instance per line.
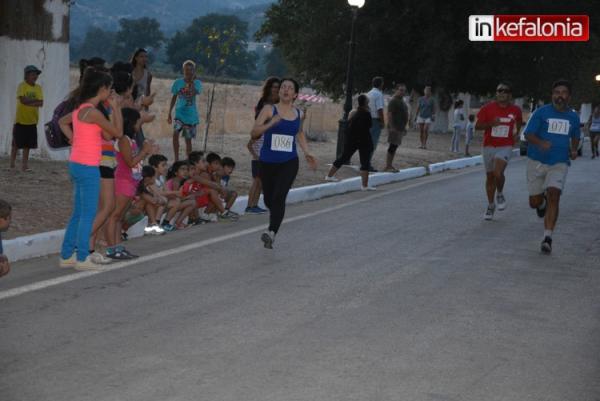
x=40, y=285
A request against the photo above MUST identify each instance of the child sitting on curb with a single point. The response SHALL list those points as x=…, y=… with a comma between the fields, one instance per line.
x=205, y=189
x=216, y=170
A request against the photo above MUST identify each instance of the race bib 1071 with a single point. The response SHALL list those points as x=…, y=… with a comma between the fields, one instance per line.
x=282, y=143
x=558, y=126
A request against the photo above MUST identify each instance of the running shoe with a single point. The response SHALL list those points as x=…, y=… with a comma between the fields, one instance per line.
x=489, y=213
x=126, y=252
x=368, y=188
x=331, y=179
x=255, y=210
x=65, y=263
x=88, y=264
x=260, y=210
x=547, y=245
x=168, y=227
x=117, y=254
x=153, y=230
x=268, y=237
x=228, y=215
x=501, y=201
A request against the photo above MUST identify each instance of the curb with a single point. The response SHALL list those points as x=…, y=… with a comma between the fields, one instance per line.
x=48, y=243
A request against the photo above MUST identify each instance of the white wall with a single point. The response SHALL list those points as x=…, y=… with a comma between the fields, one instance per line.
x=53, y=59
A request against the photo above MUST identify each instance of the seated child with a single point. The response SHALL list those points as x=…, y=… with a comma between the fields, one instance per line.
x=175, y=202
x=153, y=204
x=220, y=174
x=207, y=192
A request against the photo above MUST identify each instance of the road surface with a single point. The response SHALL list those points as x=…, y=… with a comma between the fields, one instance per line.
x=402, y=294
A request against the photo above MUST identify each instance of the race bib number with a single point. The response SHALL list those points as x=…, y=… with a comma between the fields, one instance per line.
x=558, y=126
x=282, y=143
x=500, y=131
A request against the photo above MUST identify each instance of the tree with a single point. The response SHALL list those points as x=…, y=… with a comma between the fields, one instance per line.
x=425, y=42
x=134, y=33
x=218, y=43
x=275, y=64
x=97, y=43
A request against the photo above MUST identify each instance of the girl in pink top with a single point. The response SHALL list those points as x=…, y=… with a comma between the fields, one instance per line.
x=128, y=157
x=89, y=124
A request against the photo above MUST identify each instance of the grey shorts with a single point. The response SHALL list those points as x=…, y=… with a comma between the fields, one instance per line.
x=541, y=176
x=490, y=153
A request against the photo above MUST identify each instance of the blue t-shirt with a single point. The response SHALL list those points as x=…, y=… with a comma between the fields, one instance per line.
x=557, y=127
x=185, y=108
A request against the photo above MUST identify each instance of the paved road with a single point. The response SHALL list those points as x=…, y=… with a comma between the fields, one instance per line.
x=404, y=294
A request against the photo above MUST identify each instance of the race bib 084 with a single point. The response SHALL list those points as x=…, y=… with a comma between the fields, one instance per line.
x=500, y=131
x=558, y=126
x=282, y=143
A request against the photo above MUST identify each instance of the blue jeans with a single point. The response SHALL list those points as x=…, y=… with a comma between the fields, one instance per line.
x=375, y=134
x=86, y=188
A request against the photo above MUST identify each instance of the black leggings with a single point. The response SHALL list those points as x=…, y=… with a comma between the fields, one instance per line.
x=364, y=153
x=392, y=149
x=277, y=179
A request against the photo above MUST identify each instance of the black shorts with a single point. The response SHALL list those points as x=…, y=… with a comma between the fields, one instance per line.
x=255, y=168
x=25, y=136
x=107, y=172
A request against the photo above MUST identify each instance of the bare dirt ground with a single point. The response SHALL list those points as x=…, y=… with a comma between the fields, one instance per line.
x=41, y=199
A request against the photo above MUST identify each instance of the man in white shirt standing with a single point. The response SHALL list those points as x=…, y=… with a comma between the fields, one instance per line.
x=376, y=104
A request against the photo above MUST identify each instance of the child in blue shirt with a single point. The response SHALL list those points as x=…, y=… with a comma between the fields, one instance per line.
x=184, y=92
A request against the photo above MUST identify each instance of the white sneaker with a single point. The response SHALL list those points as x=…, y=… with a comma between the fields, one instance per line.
x=88, y=264
x=489, y=213
x=149, y=230
x=368, y=188
x=501, y=202
x=331, y=179
x=65, y=263
x=158, y=230
x=100, y=259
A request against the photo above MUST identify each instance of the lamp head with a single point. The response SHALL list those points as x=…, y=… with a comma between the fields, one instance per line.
x=356, y=3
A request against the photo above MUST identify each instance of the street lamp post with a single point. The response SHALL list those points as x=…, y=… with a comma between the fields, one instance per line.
x=355, y=4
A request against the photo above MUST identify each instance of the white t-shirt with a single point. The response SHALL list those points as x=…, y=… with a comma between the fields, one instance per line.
x=375, y=102
x=459, y=119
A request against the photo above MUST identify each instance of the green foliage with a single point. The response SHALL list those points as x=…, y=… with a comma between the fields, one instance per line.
x=275, y=64
x=218, y=43
x=426, y=42
x=97, y=43
x=134, y=33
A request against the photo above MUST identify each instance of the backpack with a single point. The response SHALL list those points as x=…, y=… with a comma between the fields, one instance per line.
x=54, y=135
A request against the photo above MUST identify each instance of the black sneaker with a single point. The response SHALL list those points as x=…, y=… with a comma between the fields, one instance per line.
x=126, y=252
x=547, y=245
x=117, y=254
x=268, y=238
